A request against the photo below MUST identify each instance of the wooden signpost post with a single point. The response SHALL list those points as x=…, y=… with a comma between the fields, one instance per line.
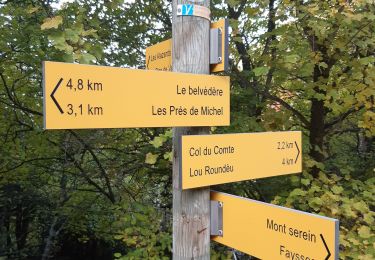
x=83, y=96
x=191, y=208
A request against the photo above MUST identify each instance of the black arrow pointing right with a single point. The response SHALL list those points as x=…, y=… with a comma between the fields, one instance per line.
x=53, y=97
x=325, y=245
x=298, y=152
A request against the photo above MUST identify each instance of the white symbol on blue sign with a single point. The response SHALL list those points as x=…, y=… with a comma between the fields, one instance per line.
x=187, y=9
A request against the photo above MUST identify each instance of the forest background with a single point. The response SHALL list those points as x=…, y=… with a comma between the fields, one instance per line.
x=304, y=65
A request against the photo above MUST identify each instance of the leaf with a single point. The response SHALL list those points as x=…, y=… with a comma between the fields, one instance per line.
x=157, y=142
x=168, y=156
x=291, y=58
x=117, y=255
x=251, y=11
x=50, y=23
x=32, y=10
x=305, y=182
x=151, y=158
x=57, y=38
x=86, y=58
x=237, y=39
x=260, y=71
x=91, y=32
x=297, y=192
x=71, y=35
x=361, y=206
x=367, y=60
x=368, y=218
x=315, y=203
x=364, y=232
x=323, y=65
x=337, y=190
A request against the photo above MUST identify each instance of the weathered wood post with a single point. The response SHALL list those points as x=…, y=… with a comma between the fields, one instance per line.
x=191, y=208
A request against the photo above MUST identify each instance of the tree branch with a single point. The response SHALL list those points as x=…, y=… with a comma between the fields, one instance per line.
x=342, y=117
x=97, y=161
x=267, y=95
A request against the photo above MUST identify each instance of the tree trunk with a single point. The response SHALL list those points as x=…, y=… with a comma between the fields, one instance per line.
x=22, y=226
x=318, y=115
x=49, y=241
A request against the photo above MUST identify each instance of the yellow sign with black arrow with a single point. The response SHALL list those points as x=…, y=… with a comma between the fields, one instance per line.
x=86, y=96
x=216, y=159
x=272, y=232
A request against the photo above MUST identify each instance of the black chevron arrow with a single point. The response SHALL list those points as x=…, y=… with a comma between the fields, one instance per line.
x=325, y=245
x=53, y=97
x=298, y=152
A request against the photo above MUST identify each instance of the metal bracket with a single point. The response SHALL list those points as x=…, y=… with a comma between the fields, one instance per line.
x=216, y=218
x=216, y=35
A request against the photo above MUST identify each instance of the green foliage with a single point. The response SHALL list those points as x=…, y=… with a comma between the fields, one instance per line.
x=260, y=71
x=140, y=229
x=346, y=199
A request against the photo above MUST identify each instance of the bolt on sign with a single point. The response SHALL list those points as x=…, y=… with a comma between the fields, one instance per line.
x=159, y=56
x=272, y=232
x=216, y=159
x=86, y=96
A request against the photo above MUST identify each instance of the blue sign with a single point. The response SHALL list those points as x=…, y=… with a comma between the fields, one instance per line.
x=187, y=10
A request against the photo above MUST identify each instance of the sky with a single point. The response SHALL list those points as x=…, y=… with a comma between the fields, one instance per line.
x=58, y=5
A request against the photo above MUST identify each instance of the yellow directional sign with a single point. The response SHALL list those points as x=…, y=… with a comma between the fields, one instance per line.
x=267, y=231
x=85, y=96
x=215, y=159
x=159, y=56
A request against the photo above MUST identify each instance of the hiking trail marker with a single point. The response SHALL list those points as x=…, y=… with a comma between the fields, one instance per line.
x=193, y=10
x=216, y=159
x=86, y=96
x=273, y=232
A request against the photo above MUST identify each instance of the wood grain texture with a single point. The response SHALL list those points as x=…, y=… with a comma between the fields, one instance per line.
x=191, y=208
